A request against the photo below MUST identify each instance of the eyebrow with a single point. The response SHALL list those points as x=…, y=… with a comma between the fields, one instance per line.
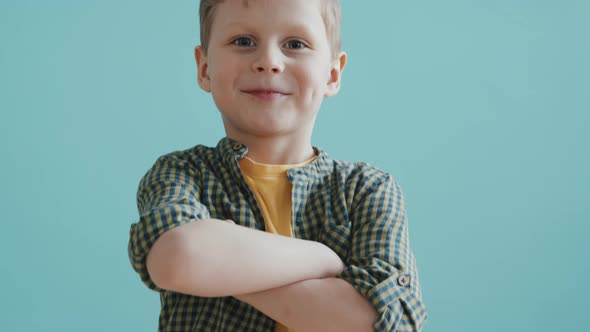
x=304, y=29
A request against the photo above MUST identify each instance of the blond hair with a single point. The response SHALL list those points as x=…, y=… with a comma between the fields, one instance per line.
x=330, y=14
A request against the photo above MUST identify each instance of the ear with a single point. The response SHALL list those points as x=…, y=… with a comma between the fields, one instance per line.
x=336, y=75
x=202, y=69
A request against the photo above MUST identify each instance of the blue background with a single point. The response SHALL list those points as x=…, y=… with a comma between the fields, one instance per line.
x=478, y=108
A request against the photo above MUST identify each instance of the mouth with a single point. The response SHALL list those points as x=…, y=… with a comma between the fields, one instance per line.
x=266, y=94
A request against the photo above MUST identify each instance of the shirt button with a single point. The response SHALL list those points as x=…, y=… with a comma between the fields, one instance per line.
x=237, y=147
x=403, y=280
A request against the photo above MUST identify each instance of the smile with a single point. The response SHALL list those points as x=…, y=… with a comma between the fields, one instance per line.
x=266, y=94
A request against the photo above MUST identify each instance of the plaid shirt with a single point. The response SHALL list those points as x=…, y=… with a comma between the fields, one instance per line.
x=355, y=209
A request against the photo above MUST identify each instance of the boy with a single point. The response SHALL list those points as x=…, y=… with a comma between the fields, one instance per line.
x=265, y=232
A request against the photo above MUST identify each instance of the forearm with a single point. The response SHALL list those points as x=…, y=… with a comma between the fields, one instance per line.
x=213, y=258
x=329, y=304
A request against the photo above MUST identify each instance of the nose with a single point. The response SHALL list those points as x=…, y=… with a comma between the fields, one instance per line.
x=268, y=59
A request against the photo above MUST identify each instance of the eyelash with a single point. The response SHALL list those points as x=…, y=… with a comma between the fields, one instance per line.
x=302, y=44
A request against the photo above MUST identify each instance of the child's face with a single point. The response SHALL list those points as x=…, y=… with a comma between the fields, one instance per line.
x=269, y=65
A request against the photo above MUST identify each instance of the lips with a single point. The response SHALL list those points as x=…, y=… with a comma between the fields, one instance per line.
x=266, y=94
x=265, y=91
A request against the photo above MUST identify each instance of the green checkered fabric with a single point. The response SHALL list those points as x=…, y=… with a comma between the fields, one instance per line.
x=352, y=207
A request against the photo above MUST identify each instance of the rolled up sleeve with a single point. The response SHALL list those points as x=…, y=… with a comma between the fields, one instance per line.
x=381, y=264
x=167, y=197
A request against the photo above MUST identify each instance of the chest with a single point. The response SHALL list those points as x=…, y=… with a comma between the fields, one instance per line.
x=319, y=209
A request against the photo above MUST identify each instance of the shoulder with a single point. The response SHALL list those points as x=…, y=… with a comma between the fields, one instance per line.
x=187, y=164
x=361, y=175
x=193, y=157
x=367, y=185
x=363, y=182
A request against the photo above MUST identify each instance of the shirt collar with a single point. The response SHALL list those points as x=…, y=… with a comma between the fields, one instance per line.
x=230, y=150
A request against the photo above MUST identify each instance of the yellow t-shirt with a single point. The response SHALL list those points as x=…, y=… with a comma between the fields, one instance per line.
x=272, y=190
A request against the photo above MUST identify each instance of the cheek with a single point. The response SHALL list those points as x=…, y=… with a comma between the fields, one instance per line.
x=312, y=83
x=223, y=70
x=219, y=76
x=222, y=85
x=306, y=78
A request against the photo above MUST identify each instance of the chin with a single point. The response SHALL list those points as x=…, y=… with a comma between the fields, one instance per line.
x=267, y=131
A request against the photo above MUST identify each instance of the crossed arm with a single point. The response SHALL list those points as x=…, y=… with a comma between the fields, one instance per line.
x=294, y=283
x=328, y=304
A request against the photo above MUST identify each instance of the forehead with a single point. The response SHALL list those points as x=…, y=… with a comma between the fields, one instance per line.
x=269, y=15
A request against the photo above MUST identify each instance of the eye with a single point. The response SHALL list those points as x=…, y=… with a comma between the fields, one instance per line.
x=244, y=42
x=295, y=44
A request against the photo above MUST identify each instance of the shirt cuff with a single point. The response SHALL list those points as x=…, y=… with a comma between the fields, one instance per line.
x=143, y=235
x=396, y=299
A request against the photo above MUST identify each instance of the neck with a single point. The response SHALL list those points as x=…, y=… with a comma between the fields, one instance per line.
x=273, y=150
